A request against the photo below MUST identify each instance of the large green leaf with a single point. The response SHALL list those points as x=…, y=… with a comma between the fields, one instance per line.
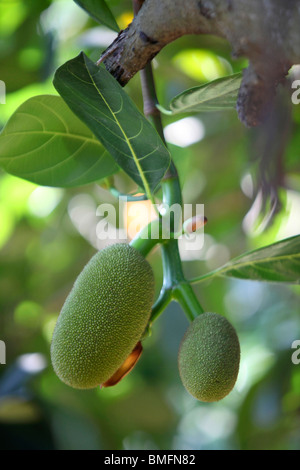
x=102, y=104
x=100, y=12
x=214, y=96
x=44, y=142
x=279, y=262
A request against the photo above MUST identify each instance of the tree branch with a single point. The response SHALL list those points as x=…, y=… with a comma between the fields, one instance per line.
x=264, y=31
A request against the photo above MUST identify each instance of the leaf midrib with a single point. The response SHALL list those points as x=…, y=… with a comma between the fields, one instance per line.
x=199, y=103
x=54, y=133
x=192, y=90
x=263, y=260
x=136, y=160
x=237, y=266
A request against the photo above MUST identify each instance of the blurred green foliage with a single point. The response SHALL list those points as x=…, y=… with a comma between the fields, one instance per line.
x=47, y=235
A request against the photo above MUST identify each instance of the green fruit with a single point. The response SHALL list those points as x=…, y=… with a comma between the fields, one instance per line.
x=103, y=317
x=209, y=357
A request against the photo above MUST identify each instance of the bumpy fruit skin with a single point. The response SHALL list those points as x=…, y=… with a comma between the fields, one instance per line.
x=103, y=317
x=209, y=357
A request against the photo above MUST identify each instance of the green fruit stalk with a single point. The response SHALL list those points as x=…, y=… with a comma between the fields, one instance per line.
x=103, y=318
x=209, y=357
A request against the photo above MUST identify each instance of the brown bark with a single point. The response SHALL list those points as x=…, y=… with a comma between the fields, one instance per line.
x=264, y=31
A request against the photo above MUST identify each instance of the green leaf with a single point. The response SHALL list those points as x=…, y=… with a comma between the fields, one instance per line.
x=279, y=262
x=45, y=143
x=214, y=96
x=102, y=104
x=100, y=12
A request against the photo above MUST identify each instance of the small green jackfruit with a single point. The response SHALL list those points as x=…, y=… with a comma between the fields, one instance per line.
x=103, y=317
x=209, y=358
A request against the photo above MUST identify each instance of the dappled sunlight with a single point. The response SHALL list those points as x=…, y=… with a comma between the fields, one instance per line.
x=185, y=132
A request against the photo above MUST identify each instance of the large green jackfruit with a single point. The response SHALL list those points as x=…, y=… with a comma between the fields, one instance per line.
x=209, y=357
x=103, y=317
